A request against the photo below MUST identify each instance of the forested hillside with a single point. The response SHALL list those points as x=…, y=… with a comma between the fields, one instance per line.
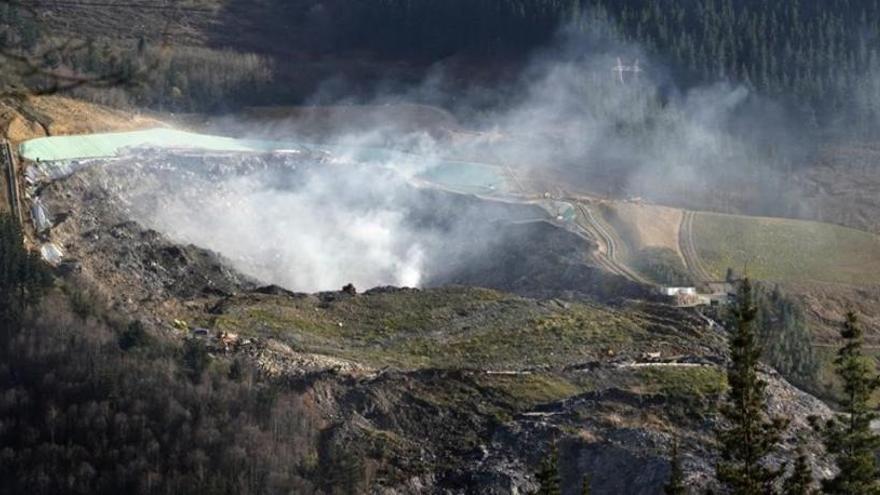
x=92, y=402
x=816, y=55
x=813, y=52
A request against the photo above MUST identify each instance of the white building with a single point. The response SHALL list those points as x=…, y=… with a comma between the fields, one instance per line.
x=678, y=291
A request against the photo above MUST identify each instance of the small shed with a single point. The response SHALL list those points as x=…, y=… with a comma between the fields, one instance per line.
x=678, y=291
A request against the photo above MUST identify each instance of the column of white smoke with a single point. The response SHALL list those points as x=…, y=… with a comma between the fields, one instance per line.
x=336, y=227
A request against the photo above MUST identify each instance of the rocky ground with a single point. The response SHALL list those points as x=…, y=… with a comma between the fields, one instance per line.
x=450, y=389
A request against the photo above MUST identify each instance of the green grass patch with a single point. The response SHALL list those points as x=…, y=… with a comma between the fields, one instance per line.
x=663, y=266
x=702, y=381
x=443, y=328
x=528, y=391
x=787, y=250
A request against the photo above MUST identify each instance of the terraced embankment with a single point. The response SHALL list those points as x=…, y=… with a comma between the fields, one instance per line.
x=609, y=253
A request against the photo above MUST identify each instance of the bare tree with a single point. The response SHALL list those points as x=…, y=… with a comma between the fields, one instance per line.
x=34, y=70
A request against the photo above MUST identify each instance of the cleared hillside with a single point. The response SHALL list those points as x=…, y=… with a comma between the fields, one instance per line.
x=787, y=250
x=644, y=226
x=40, y=116
x=458, y=328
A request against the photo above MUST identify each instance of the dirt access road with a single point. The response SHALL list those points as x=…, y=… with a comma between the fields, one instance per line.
x=10, y=195
x=689, y=249
x=608, y=253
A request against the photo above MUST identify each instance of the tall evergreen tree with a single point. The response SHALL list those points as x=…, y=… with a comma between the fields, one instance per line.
x=746, y=435
x=675, y=486
x=800, y=482
x=548, y=474
x=23, y=276
x=850, y=439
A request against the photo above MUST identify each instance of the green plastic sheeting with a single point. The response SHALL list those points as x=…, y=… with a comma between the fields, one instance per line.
x=459, y=176
x=60, y=148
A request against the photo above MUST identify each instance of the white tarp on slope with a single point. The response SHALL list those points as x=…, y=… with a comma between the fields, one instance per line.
x=40, y=216
x=52, y=253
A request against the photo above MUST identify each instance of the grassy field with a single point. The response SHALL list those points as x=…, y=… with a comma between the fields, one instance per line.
x=543, y=387
x=787, y=250
x=535, y=348
x=444, y=328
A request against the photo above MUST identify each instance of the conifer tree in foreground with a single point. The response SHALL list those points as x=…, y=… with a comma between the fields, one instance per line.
x=800, y=482
x=746, y=435
x=849, y=438
x=23, y=276
x=585, y=484
x=548, y=475
x=675, y=486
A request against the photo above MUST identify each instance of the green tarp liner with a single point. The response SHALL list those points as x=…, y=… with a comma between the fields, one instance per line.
x=58, y=152
x=62, y=148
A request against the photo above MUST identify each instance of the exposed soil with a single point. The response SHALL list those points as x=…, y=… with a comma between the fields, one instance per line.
x=646, y=225
x=33, y=117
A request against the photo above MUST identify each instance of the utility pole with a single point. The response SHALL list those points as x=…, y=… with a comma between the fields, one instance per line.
x=636, y=70
x=620, y=69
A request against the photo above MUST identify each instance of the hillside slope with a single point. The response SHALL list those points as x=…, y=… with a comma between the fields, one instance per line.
x=34, y=117
x=783, y=250
x=450, y=389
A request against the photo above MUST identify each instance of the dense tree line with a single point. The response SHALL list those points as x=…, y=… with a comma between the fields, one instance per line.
x=784, y=335
x=154, y=73
x=747, y=435
x=850, y=438
x=23, y=276
x=170, y=78
x=93, y=403
x=819, y=55
x=816, y=55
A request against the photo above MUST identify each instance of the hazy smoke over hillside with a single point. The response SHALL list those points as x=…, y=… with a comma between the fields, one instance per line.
x=633, y=133
x=312, y=224
x=329, y=229
x=570, y=116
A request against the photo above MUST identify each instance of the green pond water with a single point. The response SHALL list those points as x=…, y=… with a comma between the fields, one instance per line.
x=456, y=175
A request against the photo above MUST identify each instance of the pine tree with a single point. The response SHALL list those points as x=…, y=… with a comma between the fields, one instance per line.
x=548, y=474
x=746, y=435
x=850, y=439
x=730, y=276
x=800, y=482
x=23, y=276
x=195, y=359
x=675, y=486
x=585, y=484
